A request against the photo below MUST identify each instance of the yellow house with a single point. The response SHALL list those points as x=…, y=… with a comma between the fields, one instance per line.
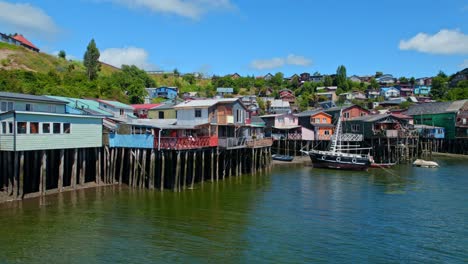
x=165, y=111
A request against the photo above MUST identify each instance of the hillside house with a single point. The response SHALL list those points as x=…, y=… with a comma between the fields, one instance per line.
x=422, y=90
x=223, y=91
x=389, y=92
x=279, y=107
x=372, y=94
x=386, y=79
x=18, y=40
x=162, y=92
x=287, y=95
x=355, y=78
x=304, y=77
x=449, y=115
x=317, y=78
x=268, y=77
x=163, y=111
x=458, y=77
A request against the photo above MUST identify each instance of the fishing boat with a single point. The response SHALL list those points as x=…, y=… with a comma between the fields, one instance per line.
x=282, y=157
x=339, y=156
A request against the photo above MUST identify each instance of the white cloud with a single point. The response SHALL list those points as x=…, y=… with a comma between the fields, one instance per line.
x=297, y=60
x=291, y=59
x=464, y=64
x=443, y=42
x=187, y=8
x=129, y=56
x=26, y=18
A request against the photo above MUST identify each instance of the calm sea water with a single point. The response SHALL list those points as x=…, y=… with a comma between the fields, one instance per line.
x=293, y=215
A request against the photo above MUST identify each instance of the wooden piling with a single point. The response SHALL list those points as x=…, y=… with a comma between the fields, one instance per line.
x=186, y=162
x=163, y=165
x=21, y=176
x=43, y=173
x=177, y=174
x=61, y=170
x=194, y=171
x=151, y=175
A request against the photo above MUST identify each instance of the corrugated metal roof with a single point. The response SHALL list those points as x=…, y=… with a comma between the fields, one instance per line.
x=204, y=103
x=225, y=90
x=309, y=112
x=436, y=108
x=370, y=118
x=279, y=103
x=30, y=97
x=86, y=105
x=115, y=104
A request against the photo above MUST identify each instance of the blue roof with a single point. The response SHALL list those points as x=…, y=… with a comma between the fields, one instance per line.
x=83, y=105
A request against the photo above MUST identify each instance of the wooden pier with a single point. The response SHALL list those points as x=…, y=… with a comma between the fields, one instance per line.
x=26, y=174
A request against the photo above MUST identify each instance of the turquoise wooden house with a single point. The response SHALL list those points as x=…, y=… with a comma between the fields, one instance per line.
x=30, y=103
x=440, y=114
x=82, y=106
x=24, y=131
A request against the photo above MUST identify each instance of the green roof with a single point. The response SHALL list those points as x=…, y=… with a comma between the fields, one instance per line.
x=116, y=104
x=86, y=105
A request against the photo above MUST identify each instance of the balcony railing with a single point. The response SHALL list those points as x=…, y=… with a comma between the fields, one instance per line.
x=185, y=142
x=291, y=136
x=324, y=137
x=258, y=143
x=232, y=142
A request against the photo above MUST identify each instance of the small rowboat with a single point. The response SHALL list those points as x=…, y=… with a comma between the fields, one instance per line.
x=282, y=157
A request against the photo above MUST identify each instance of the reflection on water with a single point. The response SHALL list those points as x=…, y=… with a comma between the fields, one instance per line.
x=295, y=214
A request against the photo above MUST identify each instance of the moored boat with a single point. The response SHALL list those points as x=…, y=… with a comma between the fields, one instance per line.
x=338, y=156
x=282, y=157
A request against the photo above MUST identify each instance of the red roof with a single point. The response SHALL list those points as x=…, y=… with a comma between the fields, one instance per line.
x=23, y=40
x=144, y=106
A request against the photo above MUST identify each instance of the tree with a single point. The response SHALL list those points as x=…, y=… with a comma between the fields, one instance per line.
x=439, y=87
x=374, y=84
x=91, y=60
x=176, y=72
x=341, y=78
x=403, y=80
x=378, y=74
x=412, y=81
x=62, y=54
x=328, y=81
x=277, y=79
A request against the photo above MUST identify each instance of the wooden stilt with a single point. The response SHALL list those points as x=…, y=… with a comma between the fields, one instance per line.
x=143, y=170
x=43, y=173
x=122, y=157
x=177, y=174
x=151, y=176
x=163, y=167
x=74, y=168
x=217, y=165
x=130, y=167
x=194, y=171
x=61, y=170
x=203, y=167
x=21, y=176
x=186, y=162
x=212, y=172
x=83, y=167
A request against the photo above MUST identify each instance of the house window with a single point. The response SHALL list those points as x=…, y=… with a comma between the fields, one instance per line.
x=33, y=128
x=161, y=114
x=464, y=121
x=324, y=120
x=122, y=112
x=29, y=107
x=4, y=127
x=10, y=127
x=197, y=112
x=281, y=120
x=355, y=128
x=317, y=120
x=3, y=106
x=327, y=132
x=362, y=114
x=53, y=108
x=66, y=128
x=56, y=128
x=45, y=128
x=346, y=115
x=22, y=128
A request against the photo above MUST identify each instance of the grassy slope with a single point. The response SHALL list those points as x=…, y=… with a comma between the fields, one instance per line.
x=22, y=58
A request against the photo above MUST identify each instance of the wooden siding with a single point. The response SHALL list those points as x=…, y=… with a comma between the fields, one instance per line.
x=187, y=116
x=131, y=141
x=85, y=133
x=168, y=114
x=445, y=120
x=20, y=105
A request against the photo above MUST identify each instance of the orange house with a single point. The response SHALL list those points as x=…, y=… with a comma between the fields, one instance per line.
x=323, y=127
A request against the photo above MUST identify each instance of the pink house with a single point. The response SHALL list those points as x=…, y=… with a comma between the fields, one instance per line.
x=282, y=126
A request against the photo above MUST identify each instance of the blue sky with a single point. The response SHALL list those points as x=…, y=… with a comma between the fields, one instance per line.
x=404, y=38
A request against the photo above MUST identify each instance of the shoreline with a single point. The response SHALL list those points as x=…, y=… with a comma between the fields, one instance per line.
x=442, y=154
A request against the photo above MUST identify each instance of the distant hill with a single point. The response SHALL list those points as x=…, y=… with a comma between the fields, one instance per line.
x=18, y=58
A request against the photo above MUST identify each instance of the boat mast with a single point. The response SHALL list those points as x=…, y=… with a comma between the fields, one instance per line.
x=336, y=138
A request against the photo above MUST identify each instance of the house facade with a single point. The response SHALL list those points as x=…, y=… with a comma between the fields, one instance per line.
x=282, y=126
x=389, y=92
x=117, y=109
x=381, y=125
x=162, y=92
x=24, y=131
x=349, y=112
x=30, y=103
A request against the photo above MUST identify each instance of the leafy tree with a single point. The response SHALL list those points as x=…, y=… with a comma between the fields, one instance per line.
x=91, y=60
x=373, y=83
x=62, y=54
x=176, y=72
x=378, y=74
x=439, y=87
x=328, y=81
x=341, y=78
x=277, y=79
x=403, y=80
x=412, y=81
x=190, y=78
